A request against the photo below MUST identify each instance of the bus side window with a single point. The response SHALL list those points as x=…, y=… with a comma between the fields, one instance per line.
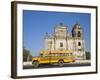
x=67, y=54
x=63, y=54
x=56, y=54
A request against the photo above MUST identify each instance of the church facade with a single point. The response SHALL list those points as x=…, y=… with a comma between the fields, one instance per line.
x=61, y=39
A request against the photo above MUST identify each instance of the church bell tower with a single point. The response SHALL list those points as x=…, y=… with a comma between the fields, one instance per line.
x=77, y=31
x=79, y=43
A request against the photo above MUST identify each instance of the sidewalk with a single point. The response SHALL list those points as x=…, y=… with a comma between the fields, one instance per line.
x=27, y=63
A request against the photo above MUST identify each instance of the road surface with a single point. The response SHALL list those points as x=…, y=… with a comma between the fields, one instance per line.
x=28, y=65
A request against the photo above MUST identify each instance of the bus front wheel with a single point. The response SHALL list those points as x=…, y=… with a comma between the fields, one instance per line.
x=60, y=62
x=35, y=64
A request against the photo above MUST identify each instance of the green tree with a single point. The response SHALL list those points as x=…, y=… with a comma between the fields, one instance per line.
x=26, y=55
x=88, y=55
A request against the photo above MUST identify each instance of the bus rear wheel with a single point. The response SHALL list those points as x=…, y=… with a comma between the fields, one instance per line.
x=35, y=64
x=60, y=62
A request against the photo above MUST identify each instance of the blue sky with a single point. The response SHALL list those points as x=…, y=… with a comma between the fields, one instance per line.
x=37, y=23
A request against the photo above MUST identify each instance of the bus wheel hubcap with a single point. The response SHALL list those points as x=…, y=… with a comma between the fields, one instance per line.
x=60, y=63
x=35, y=64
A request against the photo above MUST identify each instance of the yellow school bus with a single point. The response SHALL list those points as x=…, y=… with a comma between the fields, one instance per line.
x=53, y=56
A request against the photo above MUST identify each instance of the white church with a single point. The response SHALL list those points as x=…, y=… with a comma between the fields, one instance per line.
x=62, y=40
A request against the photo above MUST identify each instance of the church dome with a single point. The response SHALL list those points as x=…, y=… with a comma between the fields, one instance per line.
x=61, y=25
x=77, y=26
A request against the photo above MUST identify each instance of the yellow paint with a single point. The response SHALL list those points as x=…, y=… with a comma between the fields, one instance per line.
x=54, y=59
x=56, y=51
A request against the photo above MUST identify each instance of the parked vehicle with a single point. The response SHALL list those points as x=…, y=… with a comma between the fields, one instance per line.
x=54, y=56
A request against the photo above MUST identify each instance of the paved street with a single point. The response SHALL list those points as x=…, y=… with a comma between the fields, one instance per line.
x=28, y=65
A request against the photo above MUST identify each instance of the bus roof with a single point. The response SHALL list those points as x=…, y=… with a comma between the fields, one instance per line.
x=56, y=51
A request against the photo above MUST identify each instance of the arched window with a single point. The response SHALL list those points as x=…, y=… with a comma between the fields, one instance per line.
x=79, y=34
x=61, y=44
x=79, y=43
